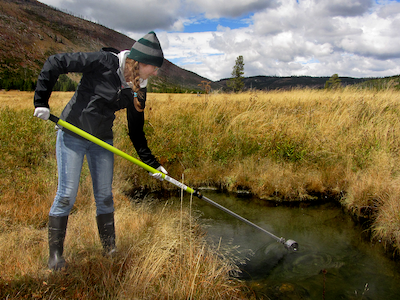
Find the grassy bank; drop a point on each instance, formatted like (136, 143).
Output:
(300, 145)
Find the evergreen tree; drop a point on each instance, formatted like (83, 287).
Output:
(236, 82)
(65, 84)
(334, 82)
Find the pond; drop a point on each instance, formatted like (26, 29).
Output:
(335, 260)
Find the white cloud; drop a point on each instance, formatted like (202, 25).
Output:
(391, 9)
(343, 8)
(235, 8)
(125, 15)
(306, 37)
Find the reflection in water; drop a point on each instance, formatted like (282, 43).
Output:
(334, 261)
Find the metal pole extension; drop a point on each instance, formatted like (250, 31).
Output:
(289, 244)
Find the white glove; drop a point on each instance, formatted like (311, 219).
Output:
(158, 175)
(42, 113)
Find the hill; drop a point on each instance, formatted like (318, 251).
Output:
(274, 82)
(30, 31)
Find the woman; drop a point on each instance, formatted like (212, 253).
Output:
(111, 81)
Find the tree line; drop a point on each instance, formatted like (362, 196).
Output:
(64, 84)
(21, 80)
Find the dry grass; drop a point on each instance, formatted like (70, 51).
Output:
(288, 146)
(157, 260)
(179, 263)
(24, 100)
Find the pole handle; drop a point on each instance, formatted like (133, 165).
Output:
(53, 118)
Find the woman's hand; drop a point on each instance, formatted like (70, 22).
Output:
(42, 113)
(159, 175)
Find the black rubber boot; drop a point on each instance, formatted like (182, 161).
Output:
(57, 229)
(105, 224)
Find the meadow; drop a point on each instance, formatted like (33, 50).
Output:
(285, 146)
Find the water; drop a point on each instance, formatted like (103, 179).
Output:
(334, 261)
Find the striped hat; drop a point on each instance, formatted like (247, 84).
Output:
(147, 50)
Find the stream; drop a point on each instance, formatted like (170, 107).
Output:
(335, 260)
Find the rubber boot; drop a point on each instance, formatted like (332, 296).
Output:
(105, 224)
(57, 229)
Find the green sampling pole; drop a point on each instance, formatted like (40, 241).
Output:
(103, 144)
(289, 244)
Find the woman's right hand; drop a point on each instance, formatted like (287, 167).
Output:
(42, 113)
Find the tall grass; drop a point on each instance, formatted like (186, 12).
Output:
(151, 262)
(300, 145)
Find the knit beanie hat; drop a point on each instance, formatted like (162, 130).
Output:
(147, 50)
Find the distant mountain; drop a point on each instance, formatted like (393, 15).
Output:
(274, 82)
(31, 31)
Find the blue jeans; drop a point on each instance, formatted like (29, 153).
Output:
(70, 152)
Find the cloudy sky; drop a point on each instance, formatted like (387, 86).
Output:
(356, 38)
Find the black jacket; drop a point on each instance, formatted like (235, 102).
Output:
(98, 96)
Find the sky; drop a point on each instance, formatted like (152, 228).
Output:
(354, 38)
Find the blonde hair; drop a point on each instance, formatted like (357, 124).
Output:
(131, 73)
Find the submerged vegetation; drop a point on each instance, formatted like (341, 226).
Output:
(299, 145)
